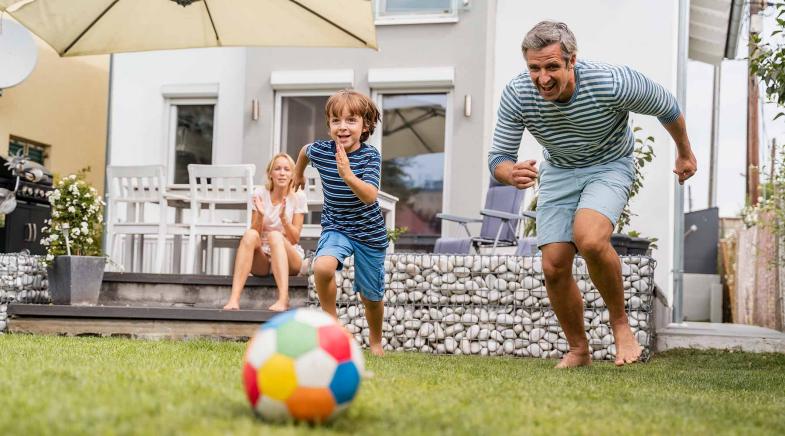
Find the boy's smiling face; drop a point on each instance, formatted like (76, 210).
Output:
(346, 129)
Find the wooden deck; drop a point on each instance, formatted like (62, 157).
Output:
(160, 306)
(135, 322)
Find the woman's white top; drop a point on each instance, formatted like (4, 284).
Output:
(296, 202)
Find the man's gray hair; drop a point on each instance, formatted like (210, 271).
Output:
(546, 33)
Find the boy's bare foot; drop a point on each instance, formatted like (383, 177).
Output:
(377, 350)
(232, 305)
(627, 348)
(280, 306)
(574, 359)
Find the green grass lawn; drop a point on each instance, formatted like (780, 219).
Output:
(58, 385)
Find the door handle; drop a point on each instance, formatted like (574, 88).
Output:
(35, 232)
(29, 230)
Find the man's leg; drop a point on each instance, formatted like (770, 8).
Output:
(592, 233)
(566, 300)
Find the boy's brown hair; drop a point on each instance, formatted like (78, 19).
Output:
(357, 104)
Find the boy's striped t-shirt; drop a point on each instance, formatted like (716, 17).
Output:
(590, 129)
(343, 211)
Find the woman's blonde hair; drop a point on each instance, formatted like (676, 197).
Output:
(269, 184)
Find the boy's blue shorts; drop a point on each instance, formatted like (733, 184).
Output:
(368, 262)
(604, 188)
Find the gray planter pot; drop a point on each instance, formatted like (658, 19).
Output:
(76, 280)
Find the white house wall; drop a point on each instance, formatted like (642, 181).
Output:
(641, 34)
(243, 75)
(138, 118)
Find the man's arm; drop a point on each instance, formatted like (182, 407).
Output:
(686, 165)
(506, 141)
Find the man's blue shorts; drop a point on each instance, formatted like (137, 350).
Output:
(604, 188)
(368, 262)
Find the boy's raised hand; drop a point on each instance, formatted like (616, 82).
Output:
(342, 160)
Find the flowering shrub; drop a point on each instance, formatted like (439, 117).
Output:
(77, 214)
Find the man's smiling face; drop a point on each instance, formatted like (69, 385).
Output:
(553, 77)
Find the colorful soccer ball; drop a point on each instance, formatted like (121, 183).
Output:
(302, 365)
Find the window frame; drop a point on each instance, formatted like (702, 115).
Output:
(381, 19)
(278, 112)
(171, 131)
(377, 95)
(26, 144)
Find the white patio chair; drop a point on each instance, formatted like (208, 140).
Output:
(217, 187)
(313, 193)
(136, 187)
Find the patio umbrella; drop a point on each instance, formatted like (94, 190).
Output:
(87, 27)
(413, 124)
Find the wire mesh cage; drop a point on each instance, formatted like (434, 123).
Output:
(490, 305)
(23, 280)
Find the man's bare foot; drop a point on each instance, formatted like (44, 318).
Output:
(280, 306)
(627, 348)
(232, 305)
(377, 350)
(574, 359)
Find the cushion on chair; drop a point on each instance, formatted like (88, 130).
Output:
(526, 246)
(453, 246)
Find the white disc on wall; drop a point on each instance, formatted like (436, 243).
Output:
(18, 53)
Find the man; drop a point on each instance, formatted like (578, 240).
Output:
(578, 111)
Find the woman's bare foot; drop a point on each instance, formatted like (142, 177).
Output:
(377, 350)
(627, 348)
(280, 306)
(232, 305)
(574, 359)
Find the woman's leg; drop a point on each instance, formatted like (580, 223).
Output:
(284, 261)
(249, 258)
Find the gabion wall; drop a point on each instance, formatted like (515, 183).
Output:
(489, 305)
(22, 279)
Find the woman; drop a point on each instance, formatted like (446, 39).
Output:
(271, 242)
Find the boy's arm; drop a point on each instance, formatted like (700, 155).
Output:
(363, 190)
(299, 169)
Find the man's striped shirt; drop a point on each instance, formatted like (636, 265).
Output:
(590, 129)
(342, 210)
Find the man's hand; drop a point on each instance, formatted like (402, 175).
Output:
(685, 167)
(524, 174)
(344, 170)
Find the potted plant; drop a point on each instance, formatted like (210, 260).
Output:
(630, 243)
(73, 241)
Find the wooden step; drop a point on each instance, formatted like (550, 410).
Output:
(135, 322)
(193, 290)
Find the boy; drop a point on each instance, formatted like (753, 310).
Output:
(352, 222)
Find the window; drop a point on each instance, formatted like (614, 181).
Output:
(301, 121)
(34, 151)
(416, 11)
(192, 135)
(413, 145)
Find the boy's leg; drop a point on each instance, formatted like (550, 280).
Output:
(374, 313)
(324, 268)
(332, 249)
(369, 282)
